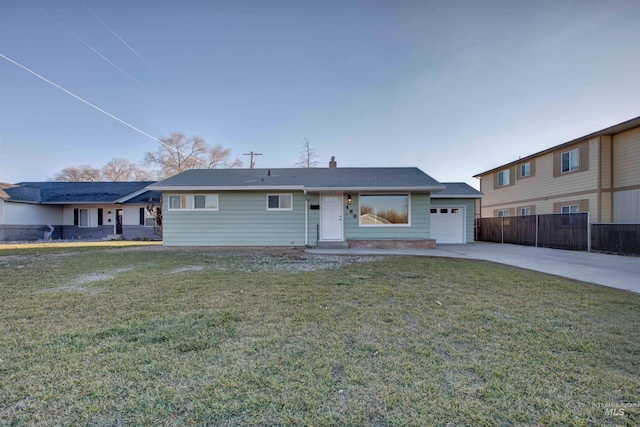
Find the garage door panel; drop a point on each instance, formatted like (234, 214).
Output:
(447, 224)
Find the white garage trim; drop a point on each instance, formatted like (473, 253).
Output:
(447, 226)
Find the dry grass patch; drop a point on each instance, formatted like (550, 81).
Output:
(247, 337)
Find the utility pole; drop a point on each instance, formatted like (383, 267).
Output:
(252, 154)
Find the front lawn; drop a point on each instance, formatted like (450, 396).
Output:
(209, 337)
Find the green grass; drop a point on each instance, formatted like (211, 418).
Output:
(261, 338)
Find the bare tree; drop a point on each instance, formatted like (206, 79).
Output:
(82, 173)
(179, 153)
(119, 169)
(307, 156)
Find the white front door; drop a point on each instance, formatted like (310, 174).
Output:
(331, 217)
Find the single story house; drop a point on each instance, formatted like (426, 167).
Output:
(338, 207)
(76, 210)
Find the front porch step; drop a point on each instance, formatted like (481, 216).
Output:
(332, 245)
(113, 237)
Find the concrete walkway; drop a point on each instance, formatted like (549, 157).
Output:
(608, 270)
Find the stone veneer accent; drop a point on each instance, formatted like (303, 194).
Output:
(393, 243)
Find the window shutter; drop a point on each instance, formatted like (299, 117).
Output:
(512, 211)
(141, 216)
(557, 207)
(557, 162)
(583, 205)
(532, 167)
(75, 216)
(99, 216)
(584, 156)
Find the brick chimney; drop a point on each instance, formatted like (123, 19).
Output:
(333, 163)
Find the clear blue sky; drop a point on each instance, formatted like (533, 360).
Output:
(452, 87)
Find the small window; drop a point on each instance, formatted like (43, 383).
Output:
(207, 201)
(569, 209)
(454, 210)
(571, 160)
(504, 212)
(279, 202)
(444, 210)
(525, 211)
(525, 170)
(503, 178)
(434, 210)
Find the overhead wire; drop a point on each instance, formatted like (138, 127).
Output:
(101, 110)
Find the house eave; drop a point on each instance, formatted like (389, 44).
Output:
(457, 196)
(412, 189)
(227, 188)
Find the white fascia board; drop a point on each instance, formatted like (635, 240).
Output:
(457, 196)
(132, 195)
(432, 189)
(182, 189)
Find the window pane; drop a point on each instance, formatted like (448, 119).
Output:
(175, 202)
(211, 201)
(285, 201)
(274, 202)
(565, 162)
(575, 159)
(434, 210)
(384, 209)
(453, 211)
(83, 219)
(525, 170)
(444, 210)
(199, 202)
(503, 178)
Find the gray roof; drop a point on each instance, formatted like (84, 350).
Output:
(458, 190)
(612, 130)
(318, 179)
(74, 192)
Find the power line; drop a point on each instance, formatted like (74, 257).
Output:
(101, 110)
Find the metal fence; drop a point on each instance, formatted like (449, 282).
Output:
(620, 239)
(560, 231)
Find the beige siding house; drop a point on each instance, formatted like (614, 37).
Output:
(598, 173)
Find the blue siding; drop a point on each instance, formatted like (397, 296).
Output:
(242, 220)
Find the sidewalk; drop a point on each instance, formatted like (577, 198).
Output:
(608, 270)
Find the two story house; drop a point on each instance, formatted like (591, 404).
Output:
(597, 173)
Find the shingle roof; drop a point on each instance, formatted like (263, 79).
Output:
(73, 192)
(301, 178)
(457, 190)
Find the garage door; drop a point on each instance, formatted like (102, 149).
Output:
(447, 224)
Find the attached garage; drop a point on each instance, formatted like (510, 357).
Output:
(447, 224)
(452, 213)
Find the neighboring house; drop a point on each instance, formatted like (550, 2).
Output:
(373, 207)
(598, 173)
(77, 210)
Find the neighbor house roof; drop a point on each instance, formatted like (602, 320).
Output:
(612, 130)
(458, 190)
(311, 179)
(76, 192)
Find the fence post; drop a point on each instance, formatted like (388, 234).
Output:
(588, 232)
(502, 232)
(537, 220)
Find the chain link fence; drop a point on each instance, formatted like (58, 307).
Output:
(561, 231)
(620, 239)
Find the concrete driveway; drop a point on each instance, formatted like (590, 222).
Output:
(608, 270)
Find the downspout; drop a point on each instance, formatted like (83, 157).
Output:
(306, 218)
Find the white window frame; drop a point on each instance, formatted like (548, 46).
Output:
(280, 195)
(528, 166)
(188, 202)
(571, 153)
(501, 174)
(525, 211)
(570, 209)
(407, 224)
(503, 212)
